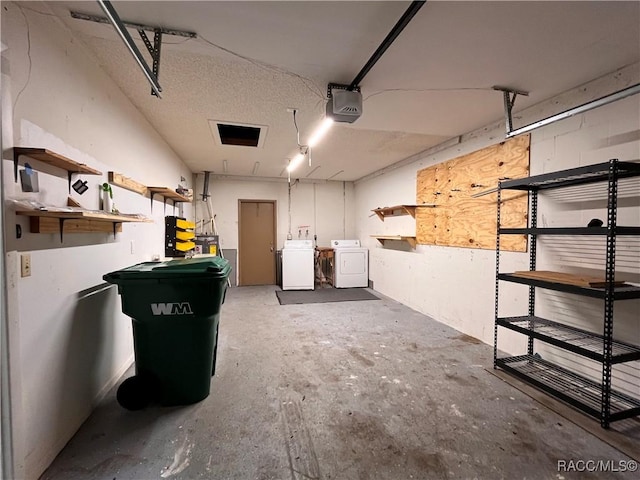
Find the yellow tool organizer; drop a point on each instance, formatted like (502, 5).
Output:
(179, 235)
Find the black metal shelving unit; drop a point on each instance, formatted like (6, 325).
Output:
(597, 399)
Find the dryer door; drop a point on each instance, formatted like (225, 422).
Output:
(351, 268)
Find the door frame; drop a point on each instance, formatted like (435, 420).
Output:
(7, 412)
(275, 232)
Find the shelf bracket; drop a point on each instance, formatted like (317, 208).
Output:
(509, 96)
(16, 161)
(115, 229)
(61, 220)
(151, 195)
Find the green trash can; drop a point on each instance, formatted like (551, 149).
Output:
(175, 310)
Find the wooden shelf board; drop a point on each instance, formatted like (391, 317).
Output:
(568, 278)
(52, 225)
(82, 215)
(128, 184)
(55, 159)
(79, 221)
(168, 193)
(410, 240)
(398, 210)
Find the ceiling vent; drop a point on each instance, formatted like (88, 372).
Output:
(238, 134)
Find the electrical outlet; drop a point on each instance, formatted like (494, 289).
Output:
(25, 265)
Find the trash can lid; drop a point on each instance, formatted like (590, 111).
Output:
(209, 267)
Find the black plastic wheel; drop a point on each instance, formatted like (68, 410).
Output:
(134, 393)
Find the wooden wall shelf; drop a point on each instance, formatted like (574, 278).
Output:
(81, 221)
(398, 210)
(51, 158)
(383, 238)
(167, 193)
(127, 183)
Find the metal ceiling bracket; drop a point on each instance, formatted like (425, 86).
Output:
(509, 95)
(510, 98)
(154, 51)
(135, 26)
(121, 28)
(619, 95)
(340, 86)
(114, 19)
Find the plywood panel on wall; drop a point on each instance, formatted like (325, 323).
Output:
(459, 220)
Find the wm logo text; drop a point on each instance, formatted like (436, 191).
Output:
(183, 308)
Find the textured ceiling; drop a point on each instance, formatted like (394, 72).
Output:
(253, 60)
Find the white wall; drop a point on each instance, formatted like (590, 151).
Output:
(69, 340)
(326, 207)
(456, 285)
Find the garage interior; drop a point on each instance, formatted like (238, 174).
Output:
(456, 127)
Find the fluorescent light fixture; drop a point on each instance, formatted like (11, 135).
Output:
(225, 167)
(320, 132)
(295, 161)
(317, 135)
(255, 168)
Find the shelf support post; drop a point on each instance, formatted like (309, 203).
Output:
(612, 206)
(533, 222)
(495, 324)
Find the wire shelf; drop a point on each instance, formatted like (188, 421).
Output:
(574, 176)
(623, 292)
(574, 339)
(579, 391)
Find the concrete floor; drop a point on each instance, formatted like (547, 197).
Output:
(352, 390)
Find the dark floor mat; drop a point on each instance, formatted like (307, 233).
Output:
(323, 295)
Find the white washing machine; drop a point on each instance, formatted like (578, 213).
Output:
(298, 265)
(350, 264)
